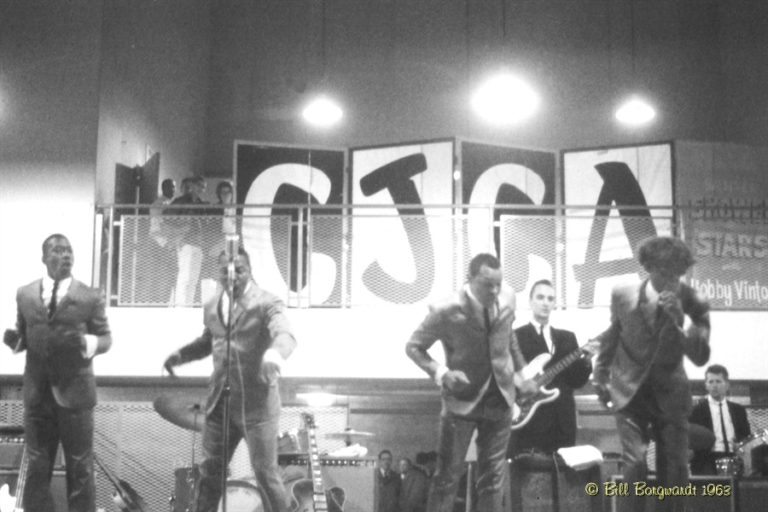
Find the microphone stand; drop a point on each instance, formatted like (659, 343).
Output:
(231, 249)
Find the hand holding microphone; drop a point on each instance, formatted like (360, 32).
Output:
(671, 305)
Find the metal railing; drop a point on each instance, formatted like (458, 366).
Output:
(358, 255)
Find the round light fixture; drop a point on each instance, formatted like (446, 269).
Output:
(505, 99)
(635, 112)
(322, 111)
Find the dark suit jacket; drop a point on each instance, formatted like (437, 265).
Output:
(703, 462)
(553, 425)
(388, 491)
(634, 350)
(258, 323)
(52, 364)
(413, 491)
(467, 346)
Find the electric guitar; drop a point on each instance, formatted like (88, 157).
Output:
(526, 406)
(10, 503)
(126, 499)
(308, 495)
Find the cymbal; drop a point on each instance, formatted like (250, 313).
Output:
(180, 411)
(348, 433)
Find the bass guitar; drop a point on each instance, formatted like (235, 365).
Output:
(308, 495)
(126, 499)
(527, 406)
(10, 503)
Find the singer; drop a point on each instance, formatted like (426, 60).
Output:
(640, 365)
(261, 340)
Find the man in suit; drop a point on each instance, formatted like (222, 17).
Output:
(414, 485)
(553, 425)
(61, 323)
(387, 484)
(639, 370)
(261, 340)
(729, 424)
(477, 381)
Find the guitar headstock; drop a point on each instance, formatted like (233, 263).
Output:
(309, 420)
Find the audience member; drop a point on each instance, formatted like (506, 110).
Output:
(387, 484)
(160, 266)
(188, 232)
(414, 485)
(729, 424)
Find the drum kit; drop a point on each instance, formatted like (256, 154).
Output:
(243, 495)
(742, 463)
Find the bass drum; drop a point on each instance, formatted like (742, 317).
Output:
(243, 496)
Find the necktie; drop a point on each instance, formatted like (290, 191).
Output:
(52, 304)
(722, 428)
(487, 318)
(544, 340)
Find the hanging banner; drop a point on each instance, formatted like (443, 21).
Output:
(402, 254)
(600, 241)
(506, 178)
(282, 259)
(722, 189)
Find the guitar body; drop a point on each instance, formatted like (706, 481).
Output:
(526, 406)
(301, 494)
(309, 495)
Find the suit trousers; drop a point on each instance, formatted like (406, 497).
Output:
(636, 422)
(45, 425)
(492, 418)
(260, 435)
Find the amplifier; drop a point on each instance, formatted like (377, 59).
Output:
(11, 449)
(58, 486)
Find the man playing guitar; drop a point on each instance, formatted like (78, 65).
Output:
(552, 425)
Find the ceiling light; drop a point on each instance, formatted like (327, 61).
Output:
(635, 112)
(505, 99)
(322, 111)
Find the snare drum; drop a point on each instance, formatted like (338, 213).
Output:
(744, 450)
(243, 496)
(728, 466)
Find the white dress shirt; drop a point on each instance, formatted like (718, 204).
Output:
(91, 340)
(714, 410)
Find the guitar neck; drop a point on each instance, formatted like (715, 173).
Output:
(21, 482)
(318, 492)
(553, 371)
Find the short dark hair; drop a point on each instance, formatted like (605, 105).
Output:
(222, 185)
(385, 452)
(545, 282)
(484, 258)
(52, 237)
(717, 369)
(665, 252)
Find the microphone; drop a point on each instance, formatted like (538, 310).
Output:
(231, 243)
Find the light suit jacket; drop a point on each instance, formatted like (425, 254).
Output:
(51, 364)
(469, 347)
(634, 350)
(258, 323)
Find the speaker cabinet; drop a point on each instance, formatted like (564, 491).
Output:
(753, 494)
(58, 486)
(552, 489)
(713, 494)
